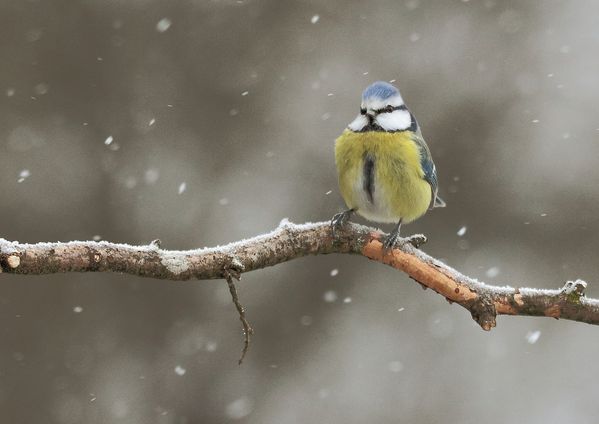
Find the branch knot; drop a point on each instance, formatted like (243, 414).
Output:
(573, 290)
(483, 312)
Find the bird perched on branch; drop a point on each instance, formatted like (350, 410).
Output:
(385, 169)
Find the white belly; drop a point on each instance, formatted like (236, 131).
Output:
(379, 209)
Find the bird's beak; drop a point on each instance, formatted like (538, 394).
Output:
(370, 117)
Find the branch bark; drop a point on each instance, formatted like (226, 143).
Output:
(290, 241)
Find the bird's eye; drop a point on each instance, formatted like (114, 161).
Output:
(387, 109)
(363, 111)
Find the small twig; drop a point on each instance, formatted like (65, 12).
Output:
(229, 274)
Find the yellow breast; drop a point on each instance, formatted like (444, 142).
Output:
(398, 187)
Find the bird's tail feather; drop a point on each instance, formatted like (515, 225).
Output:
(439, 203)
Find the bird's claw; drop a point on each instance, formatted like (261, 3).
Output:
(339, 220)
(391, 241)
(394, 240)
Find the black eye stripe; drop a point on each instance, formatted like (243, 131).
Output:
(386, 109)
(373, 126)
(391, 109)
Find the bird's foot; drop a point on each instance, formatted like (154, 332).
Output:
(391, 241)
(339, 220)
(394, 240)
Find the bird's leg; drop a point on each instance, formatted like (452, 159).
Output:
(340, 219)
(393, 237)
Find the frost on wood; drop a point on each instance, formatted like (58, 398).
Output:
(289, 241)
(176, 264)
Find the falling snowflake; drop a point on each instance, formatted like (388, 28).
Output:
(533, 336)
(239, 408)
(151, 176)
(330, 296)
(41, 89)
(163, 25)
(23, 175)
(492, 272)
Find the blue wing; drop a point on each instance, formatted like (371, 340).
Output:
(430, 171)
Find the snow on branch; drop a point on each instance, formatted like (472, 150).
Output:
(290, 241)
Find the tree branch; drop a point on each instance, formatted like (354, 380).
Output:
(290, 241)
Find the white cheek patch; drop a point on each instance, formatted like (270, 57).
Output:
(398, 120)
(357, 124)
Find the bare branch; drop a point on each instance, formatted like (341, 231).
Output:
(290, 241)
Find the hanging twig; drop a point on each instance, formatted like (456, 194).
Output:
(229, 274)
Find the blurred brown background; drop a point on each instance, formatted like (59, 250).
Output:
(202, 122)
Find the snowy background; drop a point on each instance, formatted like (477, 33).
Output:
(202, 122)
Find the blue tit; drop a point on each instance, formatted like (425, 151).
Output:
(385, 169)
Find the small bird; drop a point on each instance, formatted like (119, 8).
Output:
(385, 169)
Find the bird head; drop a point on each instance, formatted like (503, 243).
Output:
(382, 109)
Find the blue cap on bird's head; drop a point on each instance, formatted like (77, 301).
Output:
(381, 90)
(381, 93)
